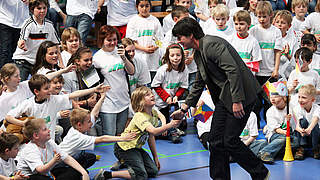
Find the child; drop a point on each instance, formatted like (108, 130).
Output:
(282, 20)
(168, 21)
(303, 75)
(170, 82)
(309, 41)
(47, 58)
(269, 38)
(17, 92)
(35, 30)
(312, 25)
(70, 41)
(143, 123)
(146, 30)
(300, 9)
(220, 16)
(41, 154)
(277, 118)
(246, 45)
(203, 12)
(251, 6)
(76, 141)
(8, 151)
(307, 128)
(45, 105)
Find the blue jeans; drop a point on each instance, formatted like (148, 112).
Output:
(113, 123)
(256, 146)
(277, 142)
(53, 16)
(82, 23)
(24, 67)
(140, 165)
(314, 136)
(8, 43)
(277, 5)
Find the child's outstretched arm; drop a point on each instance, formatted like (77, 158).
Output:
(106, 138)
(61, 71)
(75, 165)
(96, 109)
(156, 131)
(84, 92)
(45, 168)
(152, 146)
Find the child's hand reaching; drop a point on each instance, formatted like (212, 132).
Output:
(22, 45)
(175, 100)
(64, 113)
(57, 156)
(295, 83)
(70, 68)
(129, 136)
(175, 123)
(102, 88)
(19, 176)
(169, 100)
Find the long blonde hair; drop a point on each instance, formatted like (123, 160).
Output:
(137, 98)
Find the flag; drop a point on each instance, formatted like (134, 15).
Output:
(299, 64)
(276, 88)
(203, 113)
(253, 65)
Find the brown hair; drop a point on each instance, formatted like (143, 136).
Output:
(242, 15)
(7, 141)
(67, 34)
(127, 42)
(41, 60)
(284, 14)
(78, 54)
(37, 81)
(106, 31)
(137, 98)
(177, 11)
(78, 115)
(32, 126)
(299, 2)
(317, 8)
(7, 71)
(166, 60)
(264, 7)
(35, 3)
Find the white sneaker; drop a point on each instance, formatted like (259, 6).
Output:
(99, 175)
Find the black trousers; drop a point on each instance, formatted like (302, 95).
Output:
(225, 141)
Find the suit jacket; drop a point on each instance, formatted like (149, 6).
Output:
(221, 68)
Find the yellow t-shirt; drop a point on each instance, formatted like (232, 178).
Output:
(138, 124)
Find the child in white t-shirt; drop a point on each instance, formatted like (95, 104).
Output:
(170, 82)
(269, 38)
(300, 9)
(41, 154)
(70, 41)
(8, 151)
(45, 105)
(146, 31)
(309, 41)
(246, 45)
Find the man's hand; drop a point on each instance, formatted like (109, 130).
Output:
(178, 114)
(238, 111)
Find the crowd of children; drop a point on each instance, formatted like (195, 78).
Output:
(71, 98)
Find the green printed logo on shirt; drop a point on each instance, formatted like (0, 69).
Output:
(173, 85)
(133, 81)
(264, 45)
(245, 55)
(284, 125)
(116, 67)
(147, 32)
(47, 119)
(245, 132)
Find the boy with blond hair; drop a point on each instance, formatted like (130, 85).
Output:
(300, 9)
(307, 127)
(246, 45)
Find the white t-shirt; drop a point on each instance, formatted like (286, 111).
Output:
(10, 100)
(223, 33)
(296, 28)
(7, 168)
(65, 55)
(146, 31)
(251, 128)
(168, 23)
(248, 48)
(315, 63)
(33, 156)
(254, 19)
(314, 112)
(119, 12)
(13, 13)
(75, 141)
(34, 34)
(112, 68)
(141, 75)
(291, 40)
(269, 40)
(312, 22)
(47, 110)
(77, 7)
(170, 82)
(304, 78)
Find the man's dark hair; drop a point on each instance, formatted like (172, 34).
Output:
(186, 27)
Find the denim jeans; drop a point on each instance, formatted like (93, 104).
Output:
(53, 16)
(225, 141)
(278, 5)
(113, 123)
(82, 23)
(256, 146)
(140, 165)
(24, 67)
(277, 142)
(8, 43)
(314, 136)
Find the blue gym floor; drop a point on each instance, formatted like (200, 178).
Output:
(189, 160)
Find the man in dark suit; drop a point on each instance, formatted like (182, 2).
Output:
(234, 91)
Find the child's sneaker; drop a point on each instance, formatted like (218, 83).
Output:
(117, 166)
(299, 155)
(180, 132)
(266, 158)
(175, 138)
(102, 175)
(316, 153)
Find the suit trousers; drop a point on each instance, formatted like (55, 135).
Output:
(225, 141)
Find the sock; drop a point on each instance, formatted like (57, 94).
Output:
(107, 174)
